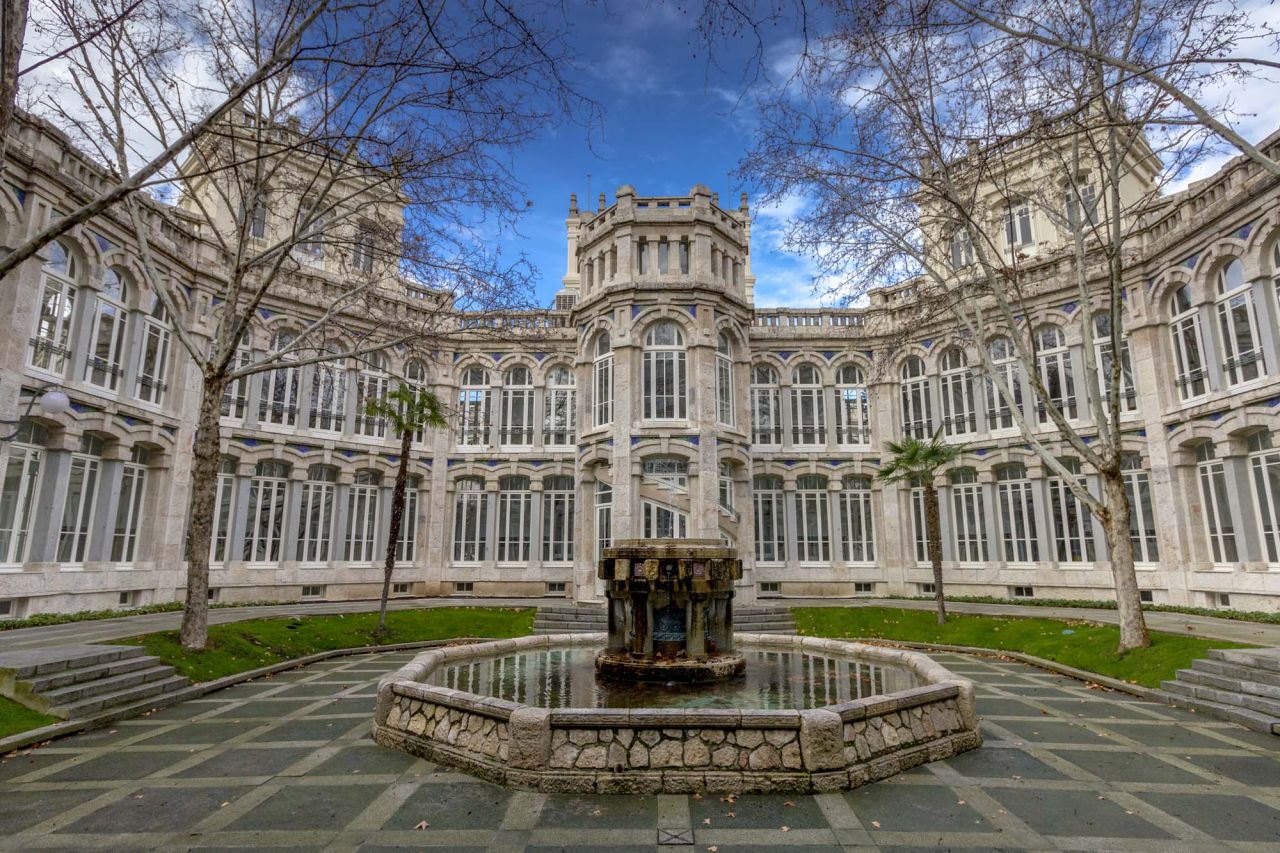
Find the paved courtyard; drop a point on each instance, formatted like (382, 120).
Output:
(286, 762)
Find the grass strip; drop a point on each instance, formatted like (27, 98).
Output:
(1084, 645)
(242, 646)
(15, 718)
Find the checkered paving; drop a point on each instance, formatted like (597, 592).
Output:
(286, 762)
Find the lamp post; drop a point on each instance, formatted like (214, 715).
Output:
(53, 401)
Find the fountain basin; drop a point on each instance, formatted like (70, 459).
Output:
(829, 747)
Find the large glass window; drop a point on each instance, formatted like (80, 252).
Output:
(329, 391)
(961, 249)
(21, 484)
(1017, 514)
(660, 520)
(808, 415)
(853, 407)
(919, 526)
(515, 506)
(1005, 364)
(813, 524)
(602, 380)
(559, 417)
(766, 416)
(1072, 521)
(604, 517)
(724, 380)
(315, 520)
(1053, 360)
(372, 383)
(470, 519)
(50, 345)
(1142, 517)
(1105, 359)
(278, 402)
(81, 501)
(105, 364)
(1188, 345)
(267, 500)
(235, 397)
(1217, 509)
(1238, 322)
(473, 407)
(969, 516)
(855, 515)
(1264, 460)
(917, 411)
(958, 415)
(362, 517)
(407, 542)
(153, 358)
(419, 381)
(223, 507)
(557, 519)
(1017, 226)
(133, 487)
(771, 521)
(665, 380)
(517, 408)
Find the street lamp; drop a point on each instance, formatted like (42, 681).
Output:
(53, 401)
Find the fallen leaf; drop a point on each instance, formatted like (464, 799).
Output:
(786, 829)
(712, 849)
(697, 796)
(422, 825)
(876, 824)
(707, 821)
(789, 804)
(730, 814)
(959, 802)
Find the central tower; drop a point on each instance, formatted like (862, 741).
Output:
(661, 295)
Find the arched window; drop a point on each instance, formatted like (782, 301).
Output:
(1102, 343)
(470, 521)
(1005, 363)
(104, 366)
(665, 380)
(724, 378)
(1188, 344)
(1072, 521)
(20, 486)
(362, 517)
(128, 521)
(1053, 360)
(961, 249)
(407, 542)
(559, 417)
(958, 416)
(557, 519)
(808, 415)
(766, 414)
(81, 501)
(267, 503)
(1238, 322)
(473, 407)
(813, 521)
(315, 518)
(969, 516)
(153, 357)
(372, 383)
(1219, 524)
(853, 407)
(1017, 514)
(1264, 461)
(771, 523)
(855, 517)
(279, 400)
(917, 409)
(1142, 518)
(51, 341)
(515, 503)
(602, 380)
(329, 391)
(517, 408)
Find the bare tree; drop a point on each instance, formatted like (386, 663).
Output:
(348, 175)
(929, 142)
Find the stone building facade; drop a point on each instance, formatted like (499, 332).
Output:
(654, 399)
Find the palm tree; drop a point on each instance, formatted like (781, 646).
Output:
(407, 411)
(920, 461)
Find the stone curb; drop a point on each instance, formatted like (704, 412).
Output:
(195, 691)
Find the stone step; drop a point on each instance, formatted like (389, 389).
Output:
(1232, 670)
(1268, 659)
(1241, 716)
(73, 693)
(45, 683)
(1229, 683)
(27, 664)
(128, 695)
(1269, 707)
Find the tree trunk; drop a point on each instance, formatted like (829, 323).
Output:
(1133, 627)
(933, 535)
(204, 490)
(393, 535)
(13, 21)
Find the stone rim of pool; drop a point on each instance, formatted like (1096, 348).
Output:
(679, 750)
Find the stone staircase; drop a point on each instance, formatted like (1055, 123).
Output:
(82, 681)
(588, 618)
(1240, 685)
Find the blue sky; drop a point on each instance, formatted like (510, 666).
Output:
(670, 122)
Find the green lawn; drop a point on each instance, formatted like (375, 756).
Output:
(1084, 645)
(242, 646)
(16, 718)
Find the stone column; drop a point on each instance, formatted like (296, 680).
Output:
(50, 500)
(341, 501)
(107, 503)
(291, 528)
(240, 520)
